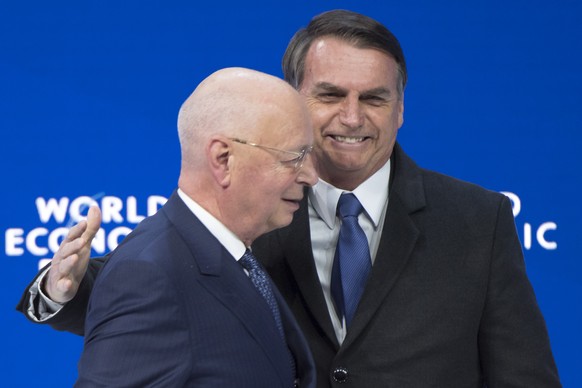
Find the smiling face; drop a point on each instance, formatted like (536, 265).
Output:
(355, 108)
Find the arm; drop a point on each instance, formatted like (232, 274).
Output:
(69, 279)
(513, 340)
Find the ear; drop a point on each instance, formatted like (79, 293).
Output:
(219, 155)
(401, 111)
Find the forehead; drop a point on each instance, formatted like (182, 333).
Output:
(286, 123)
(331, 60)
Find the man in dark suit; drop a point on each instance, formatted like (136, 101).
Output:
(172, 306)
(447, 302)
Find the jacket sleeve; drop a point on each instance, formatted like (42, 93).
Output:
(513, 339)
(71, 317)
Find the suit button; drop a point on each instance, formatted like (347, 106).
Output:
(340, 374)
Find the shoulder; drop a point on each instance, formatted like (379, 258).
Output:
(419, 187)
(444, 201)
(154, 249)
(459, 192)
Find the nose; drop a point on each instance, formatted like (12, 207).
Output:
(351, 114)
(307, 175)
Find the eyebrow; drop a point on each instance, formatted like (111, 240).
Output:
(328, 87)
(380, 91)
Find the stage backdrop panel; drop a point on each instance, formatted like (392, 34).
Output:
(89, 95)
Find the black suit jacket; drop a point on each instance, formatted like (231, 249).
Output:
(448, 303)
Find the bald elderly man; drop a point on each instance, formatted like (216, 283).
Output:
(174, 306)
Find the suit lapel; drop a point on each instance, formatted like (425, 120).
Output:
(304, 364)
(399, 236)
(296, 245)
(234, 290)
(223, 277)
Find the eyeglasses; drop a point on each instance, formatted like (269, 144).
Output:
(296, 162)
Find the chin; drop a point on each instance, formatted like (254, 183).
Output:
(347, 164)
(283, 221)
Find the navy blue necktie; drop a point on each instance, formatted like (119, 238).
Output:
(261, 282)
(259, 279)
(352, 263)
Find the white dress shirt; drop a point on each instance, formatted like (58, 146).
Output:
(229, 240)
(325, 226)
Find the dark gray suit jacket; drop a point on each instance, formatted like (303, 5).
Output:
(448, 302)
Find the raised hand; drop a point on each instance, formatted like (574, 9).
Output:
(70, 262)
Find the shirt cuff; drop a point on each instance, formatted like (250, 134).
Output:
(46, 307)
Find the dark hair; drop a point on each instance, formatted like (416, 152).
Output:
(359, 30)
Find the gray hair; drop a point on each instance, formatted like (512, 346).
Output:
(359, 30)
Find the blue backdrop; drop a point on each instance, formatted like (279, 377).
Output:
(90, 90)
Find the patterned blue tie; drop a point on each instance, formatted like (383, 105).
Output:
(352, 263)
(259, 278)
(261, 282)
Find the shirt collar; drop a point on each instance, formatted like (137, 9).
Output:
(372, 194)
(228, 239)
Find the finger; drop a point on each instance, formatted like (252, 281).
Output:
(75, 232)
(62, 282)
(71, 259)
(93, 223)
(86, 229)
(68, 249)
(64, 285)
(66, 265)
